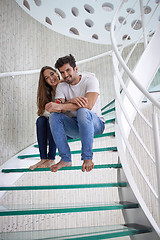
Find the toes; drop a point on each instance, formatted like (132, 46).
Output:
(83, 167)
(87, 166)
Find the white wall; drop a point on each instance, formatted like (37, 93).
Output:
(28, 45)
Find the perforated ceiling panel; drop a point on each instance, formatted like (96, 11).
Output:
(90, 20)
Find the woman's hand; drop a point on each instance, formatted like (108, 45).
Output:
(53, 107)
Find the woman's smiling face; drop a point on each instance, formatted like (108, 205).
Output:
(50, 77)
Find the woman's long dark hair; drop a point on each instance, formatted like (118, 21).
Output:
(44, 92)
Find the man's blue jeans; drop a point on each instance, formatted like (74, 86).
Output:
(44, 136)
(84, 126)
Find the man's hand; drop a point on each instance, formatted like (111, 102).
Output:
(79, 101)
(53, 107)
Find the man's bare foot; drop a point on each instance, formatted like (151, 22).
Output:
(37, 165)
(48, 163)
(87, 165)
(60, 165)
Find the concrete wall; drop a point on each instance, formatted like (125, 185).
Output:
(27, 45)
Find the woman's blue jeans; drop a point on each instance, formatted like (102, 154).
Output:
(44, 137)
(84, 126)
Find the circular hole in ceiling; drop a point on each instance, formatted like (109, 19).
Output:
(73, 31)
(38, 2)
(136, 24)
(75, 11)
(95, 36)
(89, 8)
(122, 20)
(147, 9)
(60, 13)
(26, 4)
(108, 27)
(108, 7)
(130, 10)
(48, 20)
(89, 23)
(126, 37)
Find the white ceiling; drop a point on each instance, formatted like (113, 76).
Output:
(89, 20)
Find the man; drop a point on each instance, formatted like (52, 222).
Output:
(78, 115)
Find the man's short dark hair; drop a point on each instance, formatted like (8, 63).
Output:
(66, 59)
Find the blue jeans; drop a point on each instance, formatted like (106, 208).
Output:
(84, 126)
(44, 136)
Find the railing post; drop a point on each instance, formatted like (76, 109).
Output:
(157, 150)
(143, 23)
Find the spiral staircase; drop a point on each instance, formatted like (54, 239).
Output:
(119, 197)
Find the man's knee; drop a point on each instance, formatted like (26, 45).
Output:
(83, 114)
(53, 117)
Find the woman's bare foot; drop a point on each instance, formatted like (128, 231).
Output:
(60, 165)
(48, 163)
(37, 165)
(87, 165)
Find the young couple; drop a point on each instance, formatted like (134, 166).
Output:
(67, 108)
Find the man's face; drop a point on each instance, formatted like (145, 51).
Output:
(68, 73)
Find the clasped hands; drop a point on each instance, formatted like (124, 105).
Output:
(78, 102)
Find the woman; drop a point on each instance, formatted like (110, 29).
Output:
(48, 81)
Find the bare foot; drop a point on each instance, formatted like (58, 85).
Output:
(60, 165)
(48, 163)
(37, 165)
(87, 165)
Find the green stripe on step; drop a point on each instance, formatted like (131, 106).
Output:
(112, 102)
(75, 186)
(72, 152)
(18, 209)
(78, 233)
(108, 111)
(110, 121)
(64, 168)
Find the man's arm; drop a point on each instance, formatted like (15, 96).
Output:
(73, 104)
(87, 102)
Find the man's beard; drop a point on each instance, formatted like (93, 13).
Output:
(70, 81)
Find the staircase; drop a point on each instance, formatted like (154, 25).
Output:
(120, 196)
(85, 206)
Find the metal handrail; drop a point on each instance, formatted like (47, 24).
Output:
(122, 138)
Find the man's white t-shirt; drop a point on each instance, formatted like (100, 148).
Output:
(88, 83)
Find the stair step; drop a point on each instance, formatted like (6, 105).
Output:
(108, 111)
(30, 209)
(108, 105)
(9, 170)
(96, 136)
(83, 233)
(112, 120)
(75, 186)
(72, 152)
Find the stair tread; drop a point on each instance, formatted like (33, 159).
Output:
(111, 120)
(96, 136)
(108, 111)
(29, 209)
(72, 152)
(101, 166)
(83, 233)
(72, 186)
(109, 105)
